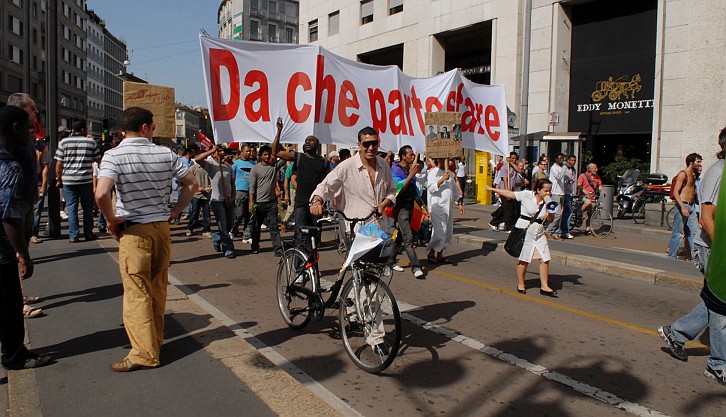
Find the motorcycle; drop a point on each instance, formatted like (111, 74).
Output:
(628, 191)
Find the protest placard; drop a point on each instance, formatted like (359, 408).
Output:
(443, 139)
(158, 100)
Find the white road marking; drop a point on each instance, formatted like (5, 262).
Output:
(578, 386)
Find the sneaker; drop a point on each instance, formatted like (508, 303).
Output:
(380, 349)
(231, 235)
(207, 235)
(397, 267)
(263, 227)
(675, 348)
(247, 241)
(91, 237)
(230, 254)
(717, 375)
(188, 233)
(102, 229)
(418, 272)
(32, 360)
(493, 227)
(64, 215)
(568, 237)
(502, 227)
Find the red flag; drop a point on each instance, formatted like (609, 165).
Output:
(203, 140)
(39, 131)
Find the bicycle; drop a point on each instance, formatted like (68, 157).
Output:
(671, 217)
(369, 319)
(639, 205)
(601, 222)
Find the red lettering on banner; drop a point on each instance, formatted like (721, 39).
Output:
(219, 58)
(468, 119)
(344, 103)
(478, 109)
(378, 109)
(419, 110)
(433, 105)
(395, 119)
(459, 97)
(327, 84)
(451, 101)
(491, 120)
(407, 116)
(260, 95)
(299, 79)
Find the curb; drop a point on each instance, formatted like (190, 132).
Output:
(653, 276)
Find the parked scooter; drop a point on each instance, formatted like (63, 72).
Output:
(629, 190)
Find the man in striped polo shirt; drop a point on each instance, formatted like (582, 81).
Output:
(142, 173)
(74, 172)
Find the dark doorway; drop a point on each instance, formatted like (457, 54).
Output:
(392, 55)
(469, 48)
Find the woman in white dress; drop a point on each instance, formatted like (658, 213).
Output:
(535, 242)
(443, 193)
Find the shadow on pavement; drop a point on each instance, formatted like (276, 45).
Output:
(37, 260)
(105, 292)
(443, 312)
(196, 288)
(454, 258)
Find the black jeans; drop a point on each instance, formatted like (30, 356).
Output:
(302, 218)
(508, 213)
(224, 215)
(12, 323)
(267, 211)
(200, 205)
(242, 214)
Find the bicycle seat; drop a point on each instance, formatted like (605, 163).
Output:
(309, 230)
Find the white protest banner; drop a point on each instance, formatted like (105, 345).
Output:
(250, 84)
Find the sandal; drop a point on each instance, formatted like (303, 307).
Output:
(28, 299)
(32, 312)
(36, 239)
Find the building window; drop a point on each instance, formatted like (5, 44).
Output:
(272, 33)
(254, 30)
(313, 31)
(15, 54)
(15, 25)
(289, 35)
(272, 6)
(290, 13)
(14, 83)
(334, 23)
(18, 3)
(395, 6)
(366, 11)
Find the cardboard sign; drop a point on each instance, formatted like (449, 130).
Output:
(443, 137)
(158, 100)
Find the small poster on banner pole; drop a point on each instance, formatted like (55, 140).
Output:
(157, 99)
(443, 135)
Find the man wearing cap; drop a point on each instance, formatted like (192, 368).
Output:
(334, 159)
(311, 169)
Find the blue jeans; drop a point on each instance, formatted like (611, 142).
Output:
(302, 218)
(199, 205)
(717, 330)
(242, 214)
(683, 226)
(689, 326)
(566, 215)
(225, 216)
(39, 205)
(73, 193)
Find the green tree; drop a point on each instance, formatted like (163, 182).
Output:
(616, 168)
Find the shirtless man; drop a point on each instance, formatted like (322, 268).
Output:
(686, 221)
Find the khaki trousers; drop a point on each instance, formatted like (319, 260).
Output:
(144, 255)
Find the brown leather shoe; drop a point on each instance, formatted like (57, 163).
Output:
(125, 365)
(553, 237)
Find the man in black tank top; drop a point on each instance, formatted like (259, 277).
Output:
(311, 168)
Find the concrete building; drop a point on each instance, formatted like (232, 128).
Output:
(114, 56)
(72, 58)
(259, 20)
(95, 74)
(598, 78)
(188, 122)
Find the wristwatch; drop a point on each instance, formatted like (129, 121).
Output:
(315, 200)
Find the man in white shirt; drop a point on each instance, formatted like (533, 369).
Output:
(557, 173)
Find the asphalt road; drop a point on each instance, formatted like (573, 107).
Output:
(472, 345)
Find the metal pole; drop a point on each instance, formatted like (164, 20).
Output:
(525, 80)
(51, 108)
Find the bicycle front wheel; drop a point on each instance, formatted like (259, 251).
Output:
(639, 211)
(294, 289)
(371, 327)
(601, 223)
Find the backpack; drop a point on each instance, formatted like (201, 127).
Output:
(673, 185)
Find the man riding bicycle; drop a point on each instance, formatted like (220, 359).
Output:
(365, 185)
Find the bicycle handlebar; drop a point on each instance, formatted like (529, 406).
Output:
(333, 211)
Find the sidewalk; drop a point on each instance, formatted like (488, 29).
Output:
(631, 251)
(206, 369)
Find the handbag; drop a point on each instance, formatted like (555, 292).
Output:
(515, 240)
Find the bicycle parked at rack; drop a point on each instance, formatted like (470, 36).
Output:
(369, 319)
(601, 222)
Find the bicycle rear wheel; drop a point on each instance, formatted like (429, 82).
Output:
(639, 211)
(601, 223)
(372, 336)
(295, 297)
(671, 217)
